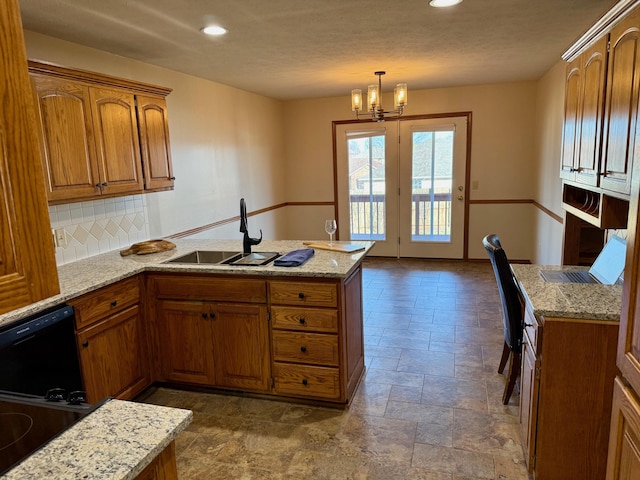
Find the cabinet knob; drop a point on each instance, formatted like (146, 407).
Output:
(114, 303)
(302, 320)
(212, 315)
(303, 349)
(301, 295)
(104, 184)
(204, 315)
(85, 343)
(172, 178)
(304, 381)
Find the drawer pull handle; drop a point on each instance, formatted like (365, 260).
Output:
(529, 325)
(304, 381)
(302, 320)
(114, 303)
(85, 343)
(303, 349)
(301, 296)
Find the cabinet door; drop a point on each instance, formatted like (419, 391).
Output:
(571, 130)
(66, 135)
(153, 124)
(27, 262)
(241, 346)
(529, 383)
(622, 104)
(117, 145)
(594, 72)
(113, 356)
(624, 439)
(186, 341)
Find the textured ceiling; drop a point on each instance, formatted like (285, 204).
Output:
(290, 49)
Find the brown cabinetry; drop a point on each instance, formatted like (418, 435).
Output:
(205, 339)
(305, 359)
(624, 442)
(316, 335)
(568, 367)
(153, 124)
(111, 341)
(297, 338)
(98, 132)
(584, 104)
(27, 262)
(623, 84)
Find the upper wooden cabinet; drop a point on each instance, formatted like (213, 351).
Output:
(154, 142)
(27, 262)
(584, 104)
(621, 105)
(100, 135)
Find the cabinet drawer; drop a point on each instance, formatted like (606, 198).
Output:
(304, 293)
(532, 332)
(312, 319)
(306, 381)
(315, 348)
(206, 287)
(105, 301)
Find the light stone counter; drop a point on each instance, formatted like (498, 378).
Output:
(568, 300)
(86, 275)
(115, 442)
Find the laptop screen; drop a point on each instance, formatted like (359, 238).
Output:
(610, 263)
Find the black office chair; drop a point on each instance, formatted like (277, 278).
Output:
(512, 308)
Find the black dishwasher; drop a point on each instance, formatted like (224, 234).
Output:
(38, 354)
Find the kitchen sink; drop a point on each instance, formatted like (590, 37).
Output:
(205, 257)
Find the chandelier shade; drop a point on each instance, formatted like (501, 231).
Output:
(374, 101)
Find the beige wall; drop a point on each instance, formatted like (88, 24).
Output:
(226, 143)
(502, 157)
(548, 187)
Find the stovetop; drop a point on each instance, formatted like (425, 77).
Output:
(28, 422)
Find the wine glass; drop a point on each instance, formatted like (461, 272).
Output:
(330, 226)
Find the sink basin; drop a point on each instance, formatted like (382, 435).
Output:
(205, 256)
(254, 259)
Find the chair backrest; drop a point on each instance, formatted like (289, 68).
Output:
(509, 292)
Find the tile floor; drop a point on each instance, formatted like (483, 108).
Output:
(428, 408)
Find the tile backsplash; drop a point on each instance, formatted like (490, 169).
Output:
(99, 226)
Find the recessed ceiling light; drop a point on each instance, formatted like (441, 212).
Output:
(444, 3)
(214, 30)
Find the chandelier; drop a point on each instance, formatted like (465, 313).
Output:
(374, 101)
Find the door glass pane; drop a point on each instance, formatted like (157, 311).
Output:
(367, 187)
(431, 186)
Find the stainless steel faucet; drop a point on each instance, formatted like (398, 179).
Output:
(247, 241)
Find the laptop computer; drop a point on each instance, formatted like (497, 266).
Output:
(605, 270)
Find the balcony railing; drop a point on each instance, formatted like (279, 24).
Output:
(430, 216)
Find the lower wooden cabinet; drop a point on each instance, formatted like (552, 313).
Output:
(112, 356)
(218, 345)
(112, 342)
(163, 467)
(186, 342)
(568, 368)
(297, 337)
(207, 342)
(624, 439)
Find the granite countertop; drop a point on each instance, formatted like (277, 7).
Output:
(116, 441)
(86, 275)
(568, 300)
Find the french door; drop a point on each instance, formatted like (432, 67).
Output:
(402, 184)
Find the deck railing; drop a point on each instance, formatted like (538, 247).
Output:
(430, 215)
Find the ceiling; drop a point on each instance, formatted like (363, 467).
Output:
(291, 49)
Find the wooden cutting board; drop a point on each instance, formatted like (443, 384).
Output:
(150, 246)
(344, 247)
